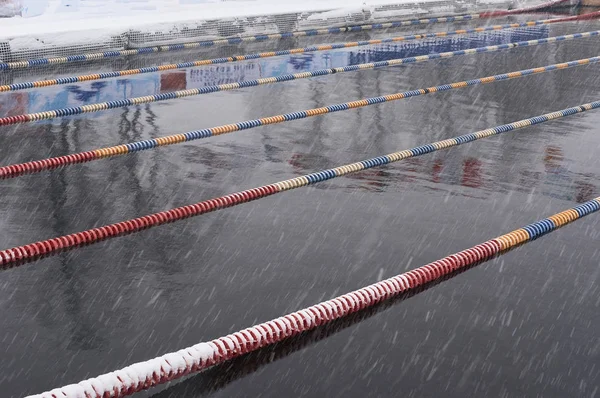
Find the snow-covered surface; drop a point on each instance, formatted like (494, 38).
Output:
(9, 8)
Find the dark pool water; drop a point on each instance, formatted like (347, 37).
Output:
(524, 324)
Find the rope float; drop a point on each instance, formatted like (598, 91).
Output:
(36, 166)
(102, 106)
(221, 375)
(22, 254)
(172, 366)
(263, 37)
(238, 58)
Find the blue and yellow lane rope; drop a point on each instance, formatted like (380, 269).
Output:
(14, 170)
(18, 255)
(98, 107)
(238, 58)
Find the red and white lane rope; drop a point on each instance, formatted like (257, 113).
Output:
(143, 375)
(220, 376)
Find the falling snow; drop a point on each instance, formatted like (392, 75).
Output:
(523, 324)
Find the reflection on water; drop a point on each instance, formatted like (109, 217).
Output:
(557, 181)
(522, 325)
(115, 89)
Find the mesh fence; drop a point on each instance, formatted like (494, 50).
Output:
(280, 23)
(170, 33)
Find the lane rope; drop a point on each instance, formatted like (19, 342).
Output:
(262, 37)
(143, 375)
(19, 255)
(238, 58)
(221, 375)
(36, 166)
(102, 106)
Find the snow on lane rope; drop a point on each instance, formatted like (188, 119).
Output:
(144, 375)
(238, 58)
(221, 375)
(22, 254)
(263, 37)
(102, 106)
(36, 166)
